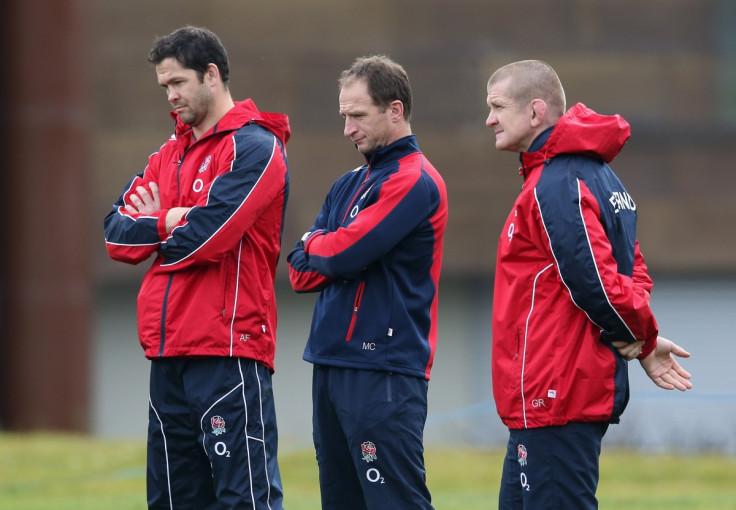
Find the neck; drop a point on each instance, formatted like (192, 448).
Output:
(219, 108)
(400, 132)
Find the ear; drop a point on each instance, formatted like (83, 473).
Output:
(539, 109)
(396, 110)
(211, 74)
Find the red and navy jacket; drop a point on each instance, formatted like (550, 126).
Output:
(209, 291)
(569, 280)
(374, 253)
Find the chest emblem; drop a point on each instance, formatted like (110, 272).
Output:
(205, 164)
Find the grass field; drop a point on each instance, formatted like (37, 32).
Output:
(63, 472)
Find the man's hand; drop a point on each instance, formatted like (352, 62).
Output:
(143, 202)
(628, 350)
(174, 216)
(662, 368)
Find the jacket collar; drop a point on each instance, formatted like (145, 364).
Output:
(392, 152)
(242, 113)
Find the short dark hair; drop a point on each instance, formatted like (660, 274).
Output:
(386, 81)
(194, 48)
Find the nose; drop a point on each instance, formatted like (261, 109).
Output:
(171, 94)
(491, 120)
(350, 129)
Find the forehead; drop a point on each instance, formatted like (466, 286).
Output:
(498, 93)
(170, 68)
(354, 97)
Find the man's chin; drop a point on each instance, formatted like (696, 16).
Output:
(501, 145)
(363, 150)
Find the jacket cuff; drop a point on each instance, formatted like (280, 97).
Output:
(647, 349)
(161, 224)
(308, 238)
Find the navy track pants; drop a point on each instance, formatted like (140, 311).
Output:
(368, 432)
(212, 437)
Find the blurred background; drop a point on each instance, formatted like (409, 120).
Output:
(81, 111)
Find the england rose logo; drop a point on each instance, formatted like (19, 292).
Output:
(218, 425)
(368, 450)
(205, 164)
(521, 450)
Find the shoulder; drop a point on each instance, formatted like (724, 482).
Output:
(564, 170)
(254, 134)
(413, 180)
(414, 171)
(252, 142)
(431, 173)
(167, 152)
(169, 145)
(350, 179)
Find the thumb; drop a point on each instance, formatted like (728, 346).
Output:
(674, 348)
(679, 351)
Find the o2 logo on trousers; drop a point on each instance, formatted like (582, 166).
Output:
(373, 475)
(524, 482)
(221, 449)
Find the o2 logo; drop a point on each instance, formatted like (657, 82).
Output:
(374, 476)
(221, 449)
(524, 482)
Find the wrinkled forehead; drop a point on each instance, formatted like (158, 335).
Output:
(500, 92)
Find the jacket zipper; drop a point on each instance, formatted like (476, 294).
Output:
(162, 343)
(178, 171)
(356, 307)
(355, 198)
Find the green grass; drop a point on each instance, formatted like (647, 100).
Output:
(64, 472)
(60, 472)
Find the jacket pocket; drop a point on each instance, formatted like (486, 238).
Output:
(356, 308)
(227, 277)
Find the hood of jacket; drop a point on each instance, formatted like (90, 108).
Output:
(582, 131)
(242, 113)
